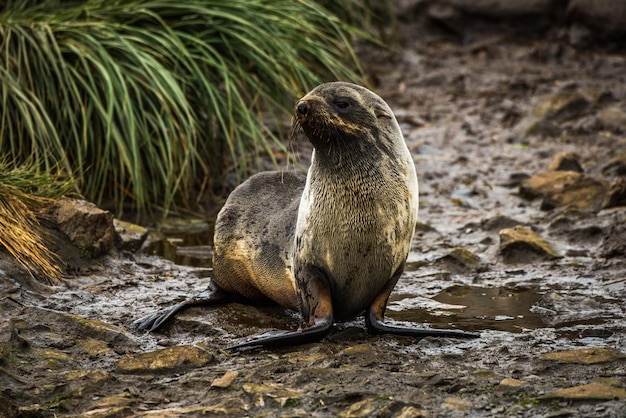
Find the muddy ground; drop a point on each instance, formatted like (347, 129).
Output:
(540, 273)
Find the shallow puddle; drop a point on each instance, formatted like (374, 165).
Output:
(465, 307)
(471, 308)
(185, 242)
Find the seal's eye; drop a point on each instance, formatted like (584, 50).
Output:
(342, 104)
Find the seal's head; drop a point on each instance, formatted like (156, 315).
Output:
(335, 115)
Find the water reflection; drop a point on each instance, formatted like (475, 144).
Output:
(472, 309)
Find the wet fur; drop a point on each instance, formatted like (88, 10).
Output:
(359, 206)
(352, 220)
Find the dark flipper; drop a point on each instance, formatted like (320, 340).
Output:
(375, 315)
(316, 308)
(282, 338)
(212, 296)
(377, 326)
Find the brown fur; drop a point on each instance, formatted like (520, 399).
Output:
(354, 221)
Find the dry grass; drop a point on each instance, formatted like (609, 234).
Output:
(23, 193)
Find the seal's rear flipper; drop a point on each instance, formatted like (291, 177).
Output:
(287, 338)
(377, 326)
(212, 296)
(375, 315)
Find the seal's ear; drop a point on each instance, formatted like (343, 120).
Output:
(380, 112)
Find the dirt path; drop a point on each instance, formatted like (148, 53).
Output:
(482, 111)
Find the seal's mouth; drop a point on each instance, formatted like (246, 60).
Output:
(301, 109)
(311, 118)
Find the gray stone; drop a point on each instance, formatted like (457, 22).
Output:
(521, 244)
(586, 194)
(616, 195)
(544, 183)
(616, 166)
(566, 161)
(89, 228)
(131, 236)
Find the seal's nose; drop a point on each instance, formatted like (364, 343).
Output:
(302, 108)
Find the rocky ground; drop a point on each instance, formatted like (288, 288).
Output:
(519, 135)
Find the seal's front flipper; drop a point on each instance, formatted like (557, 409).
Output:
(286, 338)
(375, 315)
(316, 307)
(212, 296)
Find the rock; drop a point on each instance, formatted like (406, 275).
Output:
(577, 230)
(613, 118)
(310, 357)
(562, 105)
(460, 259)
(591, 391)
(616, 195)
(546, 115)
(52, 357)
(606, 16)
(131, 236)
(556, 309)
(114, 405)
(499, 222)
(585, 355)
(566, 161)
(108, 412)
(225, 380)
(184, 226)
(616, 166)
(521, 244)
(87, 378)
(89, 228)
(73, 329)
(364, 408)
(483, 373)
(510, 385)
(515, 179)
(614, 245)
(412, 412)
(585, 193)
(456, 404)
(165, 360)
(359, 349)
(84, 327)
(275, 391)
(531, 125)
(544, 183)
(93, 347)
(229, 407)
(32, 411)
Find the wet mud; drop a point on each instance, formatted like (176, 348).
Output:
(537, 266)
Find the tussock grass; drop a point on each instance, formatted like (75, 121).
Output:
(23, 192)
(144, 100)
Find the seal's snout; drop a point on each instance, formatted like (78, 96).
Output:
(302, 108)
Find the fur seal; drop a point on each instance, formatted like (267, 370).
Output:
(330, 245)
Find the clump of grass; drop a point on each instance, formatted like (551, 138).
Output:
(23, 193)
(145, 100)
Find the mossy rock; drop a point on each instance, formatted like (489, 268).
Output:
(521, 245)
